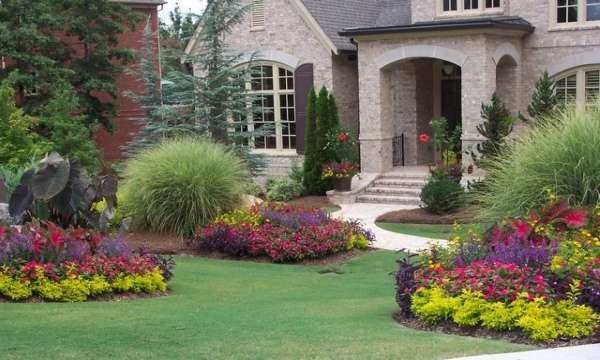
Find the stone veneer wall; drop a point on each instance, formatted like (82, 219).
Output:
(345, 89)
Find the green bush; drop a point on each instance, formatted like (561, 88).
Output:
(442, 195)
(283, 188)
(560, 154)
(182, 183)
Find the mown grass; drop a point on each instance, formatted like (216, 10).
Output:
(239, 310)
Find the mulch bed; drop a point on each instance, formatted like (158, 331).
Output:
(312, 202)
(101, 298)
(517, 337)
(420, 216)
(166, 244)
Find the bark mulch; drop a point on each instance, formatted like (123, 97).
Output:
(420, 216)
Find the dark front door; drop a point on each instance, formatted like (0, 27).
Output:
(451, 102)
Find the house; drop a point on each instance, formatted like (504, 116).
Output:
(128, 111)
(393, 65)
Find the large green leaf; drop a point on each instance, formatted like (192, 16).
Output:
(3, 192)
(22, 197)
(51, 177)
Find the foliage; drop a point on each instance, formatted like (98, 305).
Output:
(283, 233)
(283, 188)
(254, 189)
(213, 178)
(497, 126)
(11, 175)
(442, 196)
(181, 27)
(540, 320)
(66, 132)
(60, 190)
(18, 142)
(322, 122)
(342, 170)
(90, 72)
(544, 100)
(550, 157)
(342, 144)
(448, 144)
(72, 265)
(405, 282)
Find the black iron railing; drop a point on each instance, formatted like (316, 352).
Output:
(398, 149)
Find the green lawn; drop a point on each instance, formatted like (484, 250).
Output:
(428, 230)
(238, 310)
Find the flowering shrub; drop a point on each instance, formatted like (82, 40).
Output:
(540, 274)
(284, 233)
(341, 170)
(72, 265)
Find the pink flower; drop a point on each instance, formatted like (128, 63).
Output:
(574, 218)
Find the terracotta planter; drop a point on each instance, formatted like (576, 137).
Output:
(343, 185)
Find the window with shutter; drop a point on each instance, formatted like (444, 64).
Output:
(257, 15)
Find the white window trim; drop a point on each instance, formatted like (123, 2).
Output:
(276, 92)
(581, 23)
(580, 97)
(460, 11)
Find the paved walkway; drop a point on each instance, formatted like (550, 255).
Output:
(585, 352)
(367, 213)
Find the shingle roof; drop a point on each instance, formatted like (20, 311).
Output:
(498, 22)
(335, 15)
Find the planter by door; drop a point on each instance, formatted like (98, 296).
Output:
(343, 185)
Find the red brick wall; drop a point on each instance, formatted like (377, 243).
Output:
(125, 126)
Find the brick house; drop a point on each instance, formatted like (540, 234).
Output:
(393, 65)
(128, 110)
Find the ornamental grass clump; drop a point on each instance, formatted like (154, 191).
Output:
(562, 153)
(182, 183)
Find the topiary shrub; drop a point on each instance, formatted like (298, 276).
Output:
(560, 156)
(442, 196)
(181, 184)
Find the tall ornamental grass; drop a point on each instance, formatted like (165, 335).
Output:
(561, 154)
(182, 183)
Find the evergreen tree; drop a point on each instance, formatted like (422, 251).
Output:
(544, 99)
(93, 27)
(312, 169)
(324, 123)
(497, 126)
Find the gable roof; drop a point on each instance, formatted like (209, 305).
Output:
(333, 16)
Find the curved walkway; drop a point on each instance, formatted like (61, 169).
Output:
(585, 352)
(368, 213)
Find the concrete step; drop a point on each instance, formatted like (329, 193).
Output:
(409, 177)
(400, 183)
(388, 199)
(397, 191)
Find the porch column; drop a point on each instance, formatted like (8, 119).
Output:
(478, 86)
(376, 130)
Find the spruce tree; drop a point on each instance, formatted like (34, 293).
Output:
(544, 99)
(497, 126)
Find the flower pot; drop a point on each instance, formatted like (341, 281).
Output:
(343, 184)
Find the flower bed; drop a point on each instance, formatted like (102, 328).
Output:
(73, 265)
(283, 233)
(539, 275)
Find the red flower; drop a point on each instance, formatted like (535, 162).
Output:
(343, 137)
(55, 235)
(574, 218)
(424, 138)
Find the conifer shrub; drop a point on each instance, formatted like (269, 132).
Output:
(181, 184)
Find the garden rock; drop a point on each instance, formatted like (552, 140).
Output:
(4, 215)
(248, 201)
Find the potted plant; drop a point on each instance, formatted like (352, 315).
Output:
(343, 149)
(341, 173)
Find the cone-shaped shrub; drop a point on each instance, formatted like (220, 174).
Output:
(561, 154)
(181, 184)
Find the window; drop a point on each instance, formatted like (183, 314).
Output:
(575, 12)
(257, 15)
(580, 86)
(470, 7)
(274, 87)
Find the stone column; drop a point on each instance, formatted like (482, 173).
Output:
(376, 130)
(478, 85)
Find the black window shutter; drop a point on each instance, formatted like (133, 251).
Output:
(304, 80)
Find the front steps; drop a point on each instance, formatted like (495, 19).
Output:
(395, 188)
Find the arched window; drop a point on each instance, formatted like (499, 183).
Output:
(581, 85)
(273, 84)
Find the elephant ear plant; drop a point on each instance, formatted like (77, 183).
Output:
(3, 192)
(61, 191)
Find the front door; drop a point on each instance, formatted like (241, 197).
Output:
(451, 102)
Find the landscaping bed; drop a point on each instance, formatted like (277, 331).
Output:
(420, 216)
(538, 275)
(45, 262)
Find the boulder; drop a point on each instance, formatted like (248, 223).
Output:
(4, 215)
(249, 201)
